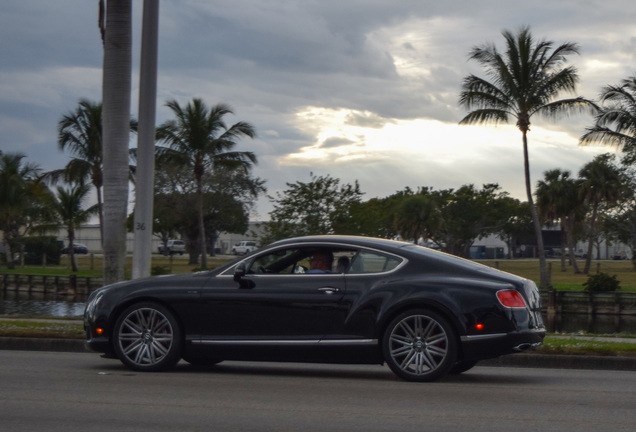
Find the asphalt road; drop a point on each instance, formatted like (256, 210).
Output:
(56, 391)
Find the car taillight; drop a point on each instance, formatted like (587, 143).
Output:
(511, 299)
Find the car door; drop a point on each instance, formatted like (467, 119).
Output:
(280, 306)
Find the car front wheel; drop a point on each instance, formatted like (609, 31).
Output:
(420, 346)
(147, 337)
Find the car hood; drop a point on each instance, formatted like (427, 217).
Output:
(165, 281)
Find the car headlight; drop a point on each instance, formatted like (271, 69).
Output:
(92, 305)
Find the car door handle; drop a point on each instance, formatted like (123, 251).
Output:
(328, 290)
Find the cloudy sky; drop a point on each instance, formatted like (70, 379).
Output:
(361, 90)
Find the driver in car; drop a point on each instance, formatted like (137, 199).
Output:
(321, 262)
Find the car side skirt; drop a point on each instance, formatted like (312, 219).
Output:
(343, 351)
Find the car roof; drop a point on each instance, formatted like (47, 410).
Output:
(371, 242)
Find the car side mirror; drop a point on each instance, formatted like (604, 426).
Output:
(239, 272)
(239, 276)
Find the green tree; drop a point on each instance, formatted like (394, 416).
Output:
(417, 216)
(67, 210)
(467, 214)
(316, 207)
(80, 133)
(524, 80)
(622, 227)
(558, 198)
(20, 191)
(375, 217)
(516, 224)
(602, 184)
(117, 38)
(615, 120)
(199, 138)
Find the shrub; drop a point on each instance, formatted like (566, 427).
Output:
(158, 270)
(602, 282)
(35, 248)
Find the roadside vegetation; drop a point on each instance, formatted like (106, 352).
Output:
(91, 266)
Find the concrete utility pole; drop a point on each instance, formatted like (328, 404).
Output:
(144, 190)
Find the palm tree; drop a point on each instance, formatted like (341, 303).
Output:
(615, 121)
(80, 132)
(116, 84)
(19, 187)
(558, 199)
(67, 210)
(602, 183)
(199, 138)
(525, 80)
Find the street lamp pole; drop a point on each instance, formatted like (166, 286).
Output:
(144, 189)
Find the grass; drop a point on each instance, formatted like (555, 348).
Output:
(576, 346)
(567, 280)
(91, 266)
(34, 328)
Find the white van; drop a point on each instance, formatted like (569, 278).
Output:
(173, 247)
(243, 247)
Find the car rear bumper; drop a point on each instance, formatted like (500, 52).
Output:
(480, 347)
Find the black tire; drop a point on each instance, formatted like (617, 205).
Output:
(147, 337)
(420, 345)
(462, 366)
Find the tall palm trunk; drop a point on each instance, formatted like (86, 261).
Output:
(571, 246)
(100, 205)
(543, 270)
(590, 244)
(202, 242)
(71, 248)
(116, 127)
(564, 234)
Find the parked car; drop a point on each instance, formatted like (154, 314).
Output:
(423, 312)
(78, 248)
(172, 247)
(243, 247)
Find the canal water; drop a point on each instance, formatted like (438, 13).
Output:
(51, 305)
(41, 305)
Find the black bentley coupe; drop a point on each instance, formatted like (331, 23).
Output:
(423, 312)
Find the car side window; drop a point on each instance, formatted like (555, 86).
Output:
(278, 262)
(303, 260)
(366, 262)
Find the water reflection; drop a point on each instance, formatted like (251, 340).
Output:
(38, 304)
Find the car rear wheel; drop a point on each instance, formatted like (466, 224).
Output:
(147, 337)
(420, 345)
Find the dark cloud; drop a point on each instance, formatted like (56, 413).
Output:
(381, 62)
